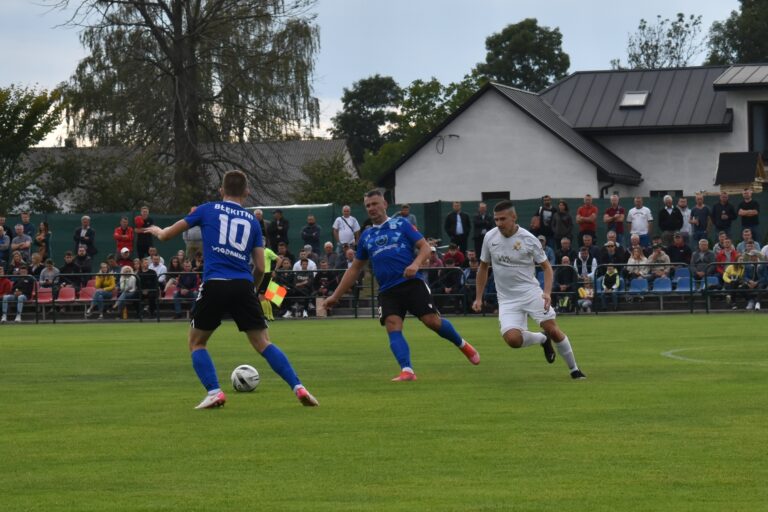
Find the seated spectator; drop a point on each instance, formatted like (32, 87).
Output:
(585, 264)
(160, 269)
(331, 256)
(746, 237)
(284, 276)
(721, 236)
(304, 256)
(727, 254)
(611, 284)
(22, 243)
(105, 287)
(586, 295)
(303, 288)
(311, 254)
(609, 256)
(634, 241)
(6, 285)
(564, 286)
(566, 250)
(470, 279)
(733, 283)
(548, 251)
(149, 287)
(21, 291)
(187, 284)
(620, 249)
(752, 286)
(456, 255)
(344, 264)
(434, 264)
(451, 283)
(125, 259)
(637, 265)
(702, 262)
(152, 253)
(589, 243)
(283, 252)
(198, 263)
(175, 268)
(659, 263)
(129, 289)
(35, 265)
(84, 265)
(325, 280)
(49, 278)
(69, 275)
(679, 253)
(17, 261)
(471, 258)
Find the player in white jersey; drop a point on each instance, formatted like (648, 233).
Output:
(514, 253)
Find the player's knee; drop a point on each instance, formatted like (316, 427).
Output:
(513, 338)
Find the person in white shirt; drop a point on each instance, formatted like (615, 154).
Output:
(640, 221)
(159, 268)
(346, 229)
(687, 229)
(514, 252)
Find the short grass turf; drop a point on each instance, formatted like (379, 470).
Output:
(673, 417)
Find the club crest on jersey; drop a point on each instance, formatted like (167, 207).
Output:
(381, 240)
(392, 224)
(518, 245)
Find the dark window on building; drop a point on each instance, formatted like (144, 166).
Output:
(491, 196)
(661, 193)
(758, 127)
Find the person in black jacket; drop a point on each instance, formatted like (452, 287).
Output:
(482, 222)
(723, 214)
(23, 286)
(457, 226)
(85, 235)
(670, 220)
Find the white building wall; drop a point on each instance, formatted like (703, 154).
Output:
(499, 148)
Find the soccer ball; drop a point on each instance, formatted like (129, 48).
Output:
(245, 378)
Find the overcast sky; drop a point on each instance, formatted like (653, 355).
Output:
(406, 39)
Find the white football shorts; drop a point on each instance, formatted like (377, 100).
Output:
(513, 314)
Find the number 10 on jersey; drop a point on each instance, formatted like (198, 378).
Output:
(229, 231)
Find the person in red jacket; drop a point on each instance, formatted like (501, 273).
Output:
(123, 236)
(586, 219)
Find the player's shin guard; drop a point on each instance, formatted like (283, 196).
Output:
(400, 349)
(206, 372)
(566, 352)
(448, 332)
(281, 365)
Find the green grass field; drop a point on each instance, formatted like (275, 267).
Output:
(100, 417)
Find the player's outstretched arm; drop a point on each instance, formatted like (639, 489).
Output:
(164, 234)
(347, 281)
(480, 281)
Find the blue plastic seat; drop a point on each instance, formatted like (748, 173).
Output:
(662, 285)
(638, 285)
(684, 285)
(682, 272)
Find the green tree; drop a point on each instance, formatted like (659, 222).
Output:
(665, 44)
(330, 182)
(190, 76)
(526, 56)
(742, 37)
(368, 108)
(27, 116)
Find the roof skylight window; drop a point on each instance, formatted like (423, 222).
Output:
(634, 99)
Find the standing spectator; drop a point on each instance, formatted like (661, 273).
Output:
(562, 223)
(277, 231)
(85, 236)
(346, 229)
(687, 228)
(670, 220)
(105, 286)
(29, 229)
(142, 223)
(458, 226)
(546, 213)
(310, 234)
(21, 243)
(700, 220)
(405, 213)
(187, 284)
(23, 287)
(5, 247)
(749, 211)
(586, 218)
(614, 218)
(723, 214)
(123, 236)
(640, 221)
(747, 237)
(702, 262)
(193, 237)
(259, 214)
(43, 240)
(482, 222)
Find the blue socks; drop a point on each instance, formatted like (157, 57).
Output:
(281, 365)
(400, 348)
(203, 365)
(448, 332)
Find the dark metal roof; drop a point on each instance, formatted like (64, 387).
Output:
(743, 76)
(610, 166)
(680, 99)
(741, 167)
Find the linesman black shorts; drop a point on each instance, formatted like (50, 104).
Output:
(411, 296)
(233, 296)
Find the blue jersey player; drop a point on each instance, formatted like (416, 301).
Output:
(231, 238)
(390, 244)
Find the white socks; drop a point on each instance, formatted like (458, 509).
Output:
(533, 338)
(566, 352)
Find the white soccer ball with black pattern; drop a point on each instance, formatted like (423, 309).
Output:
(245, 378)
